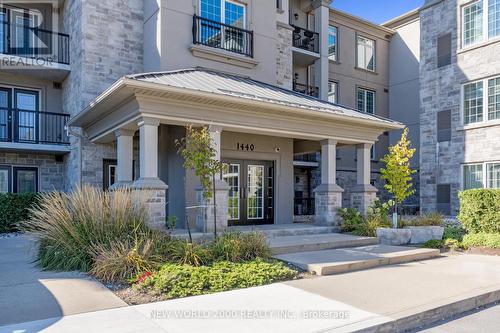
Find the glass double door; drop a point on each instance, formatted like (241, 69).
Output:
(19, 106)
(251, 191)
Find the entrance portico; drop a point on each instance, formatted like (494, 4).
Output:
(256, 129)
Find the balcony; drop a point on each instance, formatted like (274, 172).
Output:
(305, 39)
(33, 130)
(34, 49)
(222, 36)
(305, 89)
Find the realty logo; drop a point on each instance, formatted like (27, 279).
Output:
(28, 39)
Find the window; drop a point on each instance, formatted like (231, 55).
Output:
(480, 21)
(494, 99)
(366, 100)
(444, 50)
(4, 179)
(365, 53)
(482, 175)
(473, 176)
(493, 176)
(493, 18)
(472, 18)
(373, 155)
(481, 101)
(473, 102)
(332, 43)
(228, 12)
(444, 126)
(25, 179)
(332, 92)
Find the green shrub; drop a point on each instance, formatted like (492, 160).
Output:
(124, 260)
(238, 246)
(483, 239)
(433, 244)
(175, 280)
(369, 226)
(351, 219)
(74, 228)
(452, 243)
(184, 253)
(480, 210)
(453, 232)
(15, 209)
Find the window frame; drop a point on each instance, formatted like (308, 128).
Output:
(25, 168)
(336, 92)
(485, 100)
(335, 55)
(485, 27)
(357, 35)
(365, 99)
(9, 177)
(485, 174)
(223, 12)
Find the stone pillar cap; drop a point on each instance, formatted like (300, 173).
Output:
(149, 184)
(361, 188)
(323, 188)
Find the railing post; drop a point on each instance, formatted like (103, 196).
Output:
(195, 29)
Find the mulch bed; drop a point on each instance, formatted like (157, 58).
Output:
(484, 250)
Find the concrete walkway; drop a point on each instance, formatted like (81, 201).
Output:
(28, 294)
(389, 298)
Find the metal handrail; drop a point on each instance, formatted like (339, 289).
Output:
(305, 39)
(31, 126)
(222, 36)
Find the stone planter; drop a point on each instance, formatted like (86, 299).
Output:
(390, 236)
(423, 234)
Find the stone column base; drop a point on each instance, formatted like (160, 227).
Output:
(154, 191)
(363, 197)
(205, 216)
(328, 199)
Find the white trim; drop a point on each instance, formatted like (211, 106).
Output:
(358, 88)
(486, 121)
(484, 166)
(374, 70)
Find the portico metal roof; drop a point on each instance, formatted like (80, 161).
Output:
(215, 82)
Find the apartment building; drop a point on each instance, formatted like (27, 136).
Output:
(460, 100)
(247, 69)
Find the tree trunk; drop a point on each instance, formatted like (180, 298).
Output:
(215, 206)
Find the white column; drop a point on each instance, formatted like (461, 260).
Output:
(148, 154)
(328, 161)
(215, 136)
(363, 152)
(125, 159)
(321, 70)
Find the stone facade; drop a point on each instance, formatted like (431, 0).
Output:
(441, 162)
(284, 64)
(155, 204)
(50, 171)
(328, 199)
(106, 44)
(205, 216)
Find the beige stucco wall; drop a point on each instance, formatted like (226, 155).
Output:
(183, 183)
(50, 98)
(349, 78)
(168, 38)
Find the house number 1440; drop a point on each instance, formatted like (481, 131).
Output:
(245, 147)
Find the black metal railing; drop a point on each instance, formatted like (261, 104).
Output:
(44, 45)
(26, 126)
(305, 39)
(305, 89)
(303, 206)
(222, 36)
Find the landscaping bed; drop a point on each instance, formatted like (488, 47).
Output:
(106, 235)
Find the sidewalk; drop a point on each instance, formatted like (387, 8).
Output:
(394, 296)
(27, 293)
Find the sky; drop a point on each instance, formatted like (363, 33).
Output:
(376, 11)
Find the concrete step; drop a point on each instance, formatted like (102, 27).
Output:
(283, 230)
(336, 261)
(317, 242)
